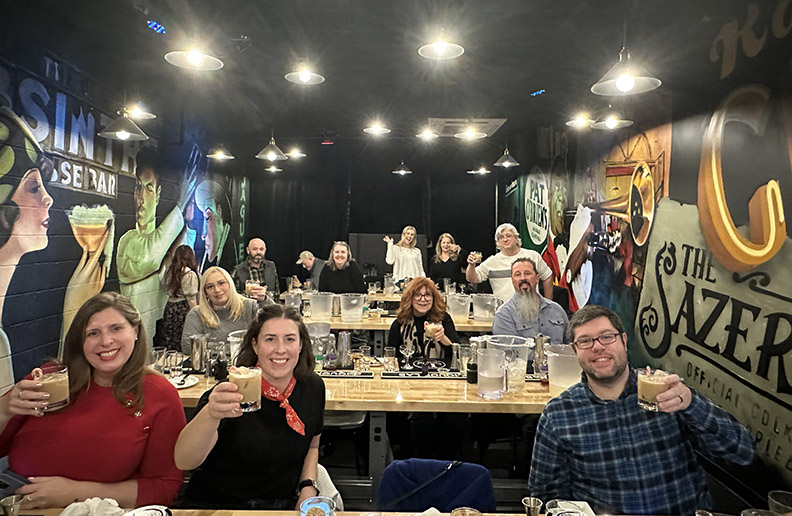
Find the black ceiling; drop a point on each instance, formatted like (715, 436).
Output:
(367, 50)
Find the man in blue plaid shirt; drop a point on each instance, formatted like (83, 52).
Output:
(594, 443)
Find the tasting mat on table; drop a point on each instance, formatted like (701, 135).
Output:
(418, 375)
(345, 373)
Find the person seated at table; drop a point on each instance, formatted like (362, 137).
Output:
(265, 459)
(406, 259)
(341, 274)
(528, 314)
(595, 443)
(449, 261)
(220, 309)
(422, 304)
(115, 438)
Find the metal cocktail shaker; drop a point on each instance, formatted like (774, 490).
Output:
(198, 351)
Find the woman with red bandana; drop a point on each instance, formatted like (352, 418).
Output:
(265, 459)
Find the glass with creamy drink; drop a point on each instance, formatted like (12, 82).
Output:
(650, 384)
(89, 225)
(248, 382)
(54, 380)
(430, 329)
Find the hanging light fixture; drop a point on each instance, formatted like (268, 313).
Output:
(402, 170)
(610, 120)
(471, 133)
(138, 111)
(295, 153)
(441, 50)
(479, 171)
(427, 134)
(580, 121)
(376, 129)
(625, 77)
(304, 76)
(273, 169)
(124, 129)
(506, 160)
(194, 59)
(220, 153)
(271, 152)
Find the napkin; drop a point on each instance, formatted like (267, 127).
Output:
(94, 507)
(431, 511)
(570, 505)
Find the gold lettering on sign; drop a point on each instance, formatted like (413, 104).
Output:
(731, 34)
(766, 210)
(780, 28)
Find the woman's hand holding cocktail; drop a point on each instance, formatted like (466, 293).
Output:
(676, 397)
(224, 401)
(24, 399)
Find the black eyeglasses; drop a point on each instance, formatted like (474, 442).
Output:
(418, 296)
(605, 339)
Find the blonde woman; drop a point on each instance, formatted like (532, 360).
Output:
(449, 261)
(406, 259)
(220, 309)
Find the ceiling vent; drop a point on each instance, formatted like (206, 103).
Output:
(448, 127)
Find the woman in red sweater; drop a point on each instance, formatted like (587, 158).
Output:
(115, 439)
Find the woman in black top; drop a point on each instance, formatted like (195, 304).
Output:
(449, 261)
(421, 304)
(341, 274)
(265, 459)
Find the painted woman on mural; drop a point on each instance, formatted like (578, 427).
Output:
(211, 200)
(24, 221)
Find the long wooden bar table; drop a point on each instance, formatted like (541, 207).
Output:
(379, 396)
(222, 512)
(379, 296)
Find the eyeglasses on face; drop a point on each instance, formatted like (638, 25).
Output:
(212, 286)
(418, 295)
(605, 339)
(505, 235)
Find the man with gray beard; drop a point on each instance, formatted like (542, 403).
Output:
(527, 313)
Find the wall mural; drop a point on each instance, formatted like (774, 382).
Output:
(80, 214)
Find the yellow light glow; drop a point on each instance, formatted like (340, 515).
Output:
(135, 112)
(426, 134)
(625, 82)
(122, 135)
(195, 57)
(271, 156)
(440, 47)
(611, 122)
(305, 75)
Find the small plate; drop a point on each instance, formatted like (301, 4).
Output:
(189, 382)
(153, 510)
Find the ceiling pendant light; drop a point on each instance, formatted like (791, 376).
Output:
(304, 76)
(479, 171)
(441, 50)
(194, 59)
(295, 153)
(506, 160)
(376, 129)
(273, 169)
(625, 77)
(471, 133)
(138, 111)
(271, 152)
(610, 120)
(220, 153)
(124, 129)
(402, 170)
(580, 121)
(427, 134)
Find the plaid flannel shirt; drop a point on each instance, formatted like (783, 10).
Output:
(623, 459)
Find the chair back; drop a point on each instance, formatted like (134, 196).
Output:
(414, 485)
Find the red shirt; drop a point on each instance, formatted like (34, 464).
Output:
(97, 439)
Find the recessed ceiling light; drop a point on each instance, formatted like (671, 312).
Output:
(441, 50)
(304, 76)
(470, 134)
(376, 129)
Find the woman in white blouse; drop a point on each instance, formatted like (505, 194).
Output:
(406, 259)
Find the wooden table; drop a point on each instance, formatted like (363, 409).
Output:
(379, 296)
(378, 396)
(221, 512)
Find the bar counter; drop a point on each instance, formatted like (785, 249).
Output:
(384, 324)
(187, 512)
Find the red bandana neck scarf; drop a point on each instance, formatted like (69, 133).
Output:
(271, 392)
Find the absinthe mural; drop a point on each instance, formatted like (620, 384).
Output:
(707, 263)
(80, 214)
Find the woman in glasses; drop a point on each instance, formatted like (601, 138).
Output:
(422, 323)
(220, 309)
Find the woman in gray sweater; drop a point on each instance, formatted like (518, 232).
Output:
(220, 309)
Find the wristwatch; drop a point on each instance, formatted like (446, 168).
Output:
(305, 483)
